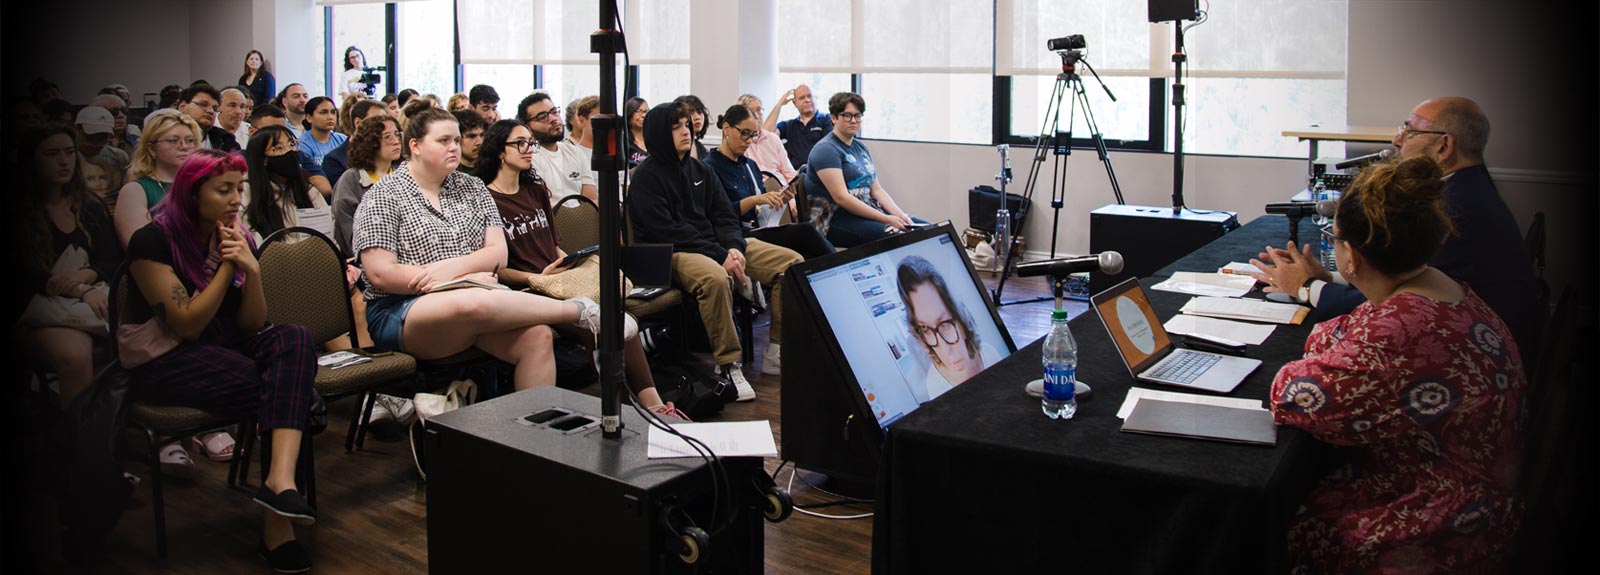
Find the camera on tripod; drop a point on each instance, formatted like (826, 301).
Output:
(1070, 48)
(370, 79)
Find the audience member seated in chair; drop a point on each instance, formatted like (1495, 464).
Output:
(767, 149)
(374, 152)
(71, 253)
(167, 140)
(1425, 384)
(195, 268)
(848, 203)
(277, 191)
(677, 200)
(533, 247)
(427, 224)
(760, 211)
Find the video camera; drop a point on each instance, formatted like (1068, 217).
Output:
(1070, 48)
(370, 79)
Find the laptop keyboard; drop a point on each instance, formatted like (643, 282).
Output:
(1183, 367)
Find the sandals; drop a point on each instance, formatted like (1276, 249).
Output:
(217, 446)
(175, 461)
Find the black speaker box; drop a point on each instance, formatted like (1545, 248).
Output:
(526, 484)
(1150, 237)
(1170, 10)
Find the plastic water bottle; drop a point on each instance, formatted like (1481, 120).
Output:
(1002, 236)
(1320, 192)
(1328, 259)
(1060, 369)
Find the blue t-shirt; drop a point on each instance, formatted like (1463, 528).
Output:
(854, 160)
(740, 179)
(312, 152)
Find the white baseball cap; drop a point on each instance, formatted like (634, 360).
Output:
(95, 120)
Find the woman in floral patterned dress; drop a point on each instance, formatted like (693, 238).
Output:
(1423, 382)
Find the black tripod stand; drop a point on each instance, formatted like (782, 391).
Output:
(1068, 82)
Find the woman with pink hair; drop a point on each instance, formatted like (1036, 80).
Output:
(200, 283)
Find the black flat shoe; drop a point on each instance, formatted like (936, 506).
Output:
(290, 557)
(287, 503)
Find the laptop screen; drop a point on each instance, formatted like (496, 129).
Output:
(1127, 314)
(885, 308)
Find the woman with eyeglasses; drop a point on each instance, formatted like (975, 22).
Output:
(943, 326)
(374, 152)
(848, 203)
(635, 109)
(1423, 383)
(168, 138)
(277, 191)
(766, 150)
(760, 211)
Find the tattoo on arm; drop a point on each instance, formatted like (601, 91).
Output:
(180, 296)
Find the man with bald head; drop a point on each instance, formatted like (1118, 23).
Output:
(1486, 250)
(803, 132)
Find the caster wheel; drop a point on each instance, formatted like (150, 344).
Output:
(779, 505)
(696, 544)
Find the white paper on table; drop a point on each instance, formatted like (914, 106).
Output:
(725, 438)
(1207, 284)
(1238, 268)
(1247, 333)
(320, 219)
(1137, 393)
(1245, 309)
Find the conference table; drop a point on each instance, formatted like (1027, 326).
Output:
(979, 480)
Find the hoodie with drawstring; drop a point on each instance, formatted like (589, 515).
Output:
(678, 200)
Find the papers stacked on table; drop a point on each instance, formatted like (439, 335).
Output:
(1214, 284)
(1246, 309)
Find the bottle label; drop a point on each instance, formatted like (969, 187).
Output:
(1059, 382)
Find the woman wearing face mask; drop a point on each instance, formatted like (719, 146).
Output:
(505, 162)
(759, 210)
(427, 224)
(278, 189)
(169, 137)
(194, 268)
(72, 251)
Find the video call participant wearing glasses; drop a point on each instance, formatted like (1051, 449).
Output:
(943, 326)
(1486, 250)
(169, 138)
(848, 203)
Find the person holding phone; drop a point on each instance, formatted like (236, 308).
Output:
(505, 161)
(759, 211)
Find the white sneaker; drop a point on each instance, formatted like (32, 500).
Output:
(589, 318)
(772, 360)
(390, 408)
(735, 373)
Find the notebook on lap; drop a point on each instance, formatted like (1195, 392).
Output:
(1147, 350)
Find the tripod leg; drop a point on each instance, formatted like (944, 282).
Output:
(1046, 141)
(1099, 143)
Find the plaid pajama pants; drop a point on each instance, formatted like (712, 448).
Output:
(268, 374)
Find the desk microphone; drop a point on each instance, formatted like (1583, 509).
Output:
(1324, 208)
(1108, 262)
(1363, 160)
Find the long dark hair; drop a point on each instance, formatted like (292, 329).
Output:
(178, 214)
(347, 52)
(696, 105)
(311, 108)
(494, 144)
(75, 191)
(265, 67)
(264, 215)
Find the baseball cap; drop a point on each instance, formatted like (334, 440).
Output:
(95, 120)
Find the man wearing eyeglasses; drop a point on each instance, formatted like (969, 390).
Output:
(1486, 251)
(562, 165)
(200, 103)
(122, 136)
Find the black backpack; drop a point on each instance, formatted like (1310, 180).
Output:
(693, 387)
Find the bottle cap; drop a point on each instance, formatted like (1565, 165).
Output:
(1058, 314)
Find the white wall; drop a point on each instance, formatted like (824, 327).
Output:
(220, 34)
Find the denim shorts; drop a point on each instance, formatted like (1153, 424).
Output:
(385, 318)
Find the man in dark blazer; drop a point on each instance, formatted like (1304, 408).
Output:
(1486, 250)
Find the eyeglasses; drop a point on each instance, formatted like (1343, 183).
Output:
(1328, 236)
(947, 330)
(1406, 131)
(547, 115)
(849, 116)
(391, 136)
(747, 134)
(118, 111)
(520, 145)
(177, 141)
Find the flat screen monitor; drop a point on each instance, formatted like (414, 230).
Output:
(908, 317)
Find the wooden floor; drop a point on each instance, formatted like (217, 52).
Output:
(374, 508)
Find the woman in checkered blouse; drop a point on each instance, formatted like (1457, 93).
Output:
(425, 224)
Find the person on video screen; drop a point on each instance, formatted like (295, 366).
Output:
(942, 325)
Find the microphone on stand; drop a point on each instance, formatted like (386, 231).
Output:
(1108, 262)
(1324, 208)
(1363, 160)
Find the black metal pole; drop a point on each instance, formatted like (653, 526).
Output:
(1178, 59)
(607, 41)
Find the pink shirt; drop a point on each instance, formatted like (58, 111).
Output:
(768, 154)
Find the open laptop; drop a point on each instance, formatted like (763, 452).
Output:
(1148, 352)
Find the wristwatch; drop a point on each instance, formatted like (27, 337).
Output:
(1304, 293)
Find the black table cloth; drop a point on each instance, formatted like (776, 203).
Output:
(980, 480)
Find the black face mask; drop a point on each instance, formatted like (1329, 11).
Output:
(286, 166)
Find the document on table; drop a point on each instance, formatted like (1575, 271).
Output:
(340, 359)
(1238, 268)
(1246, 309)
(1247, 333)
(1208, 284)
(726, 439)
(1137, 393)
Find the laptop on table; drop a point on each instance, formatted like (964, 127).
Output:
(1147, 350)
